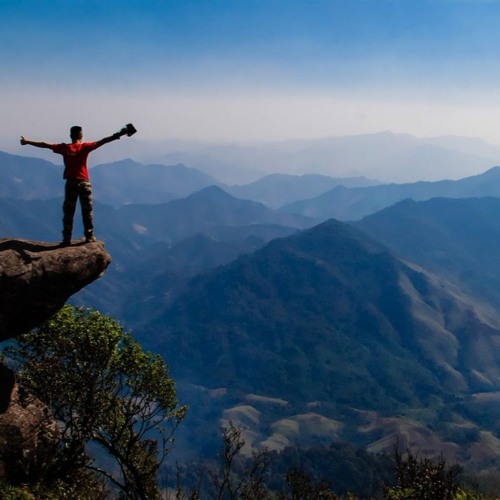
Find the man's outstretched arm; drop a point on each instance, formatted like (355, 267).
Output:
(38, 144)
(111, 138)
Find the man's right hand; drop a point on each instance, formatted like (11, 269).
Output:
(23, 141)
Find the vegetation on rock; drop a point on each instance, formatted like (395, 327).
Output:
(108, 395)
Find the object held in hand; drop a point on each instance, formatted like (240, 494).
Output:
(130, 129)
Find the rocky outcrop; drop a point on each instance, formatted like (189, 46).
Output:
(28, 438)
(36, 279)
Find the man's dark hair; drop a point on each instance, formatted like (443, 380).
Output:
(75, 131)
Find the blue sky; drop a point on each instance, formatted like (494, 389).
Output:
(250, 69)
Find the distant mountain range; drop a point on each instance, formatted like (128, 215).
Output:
(28, 178)
(208, 208)
(384, 156)
(314, 196)
(181, 237)
(276, 190)
(119, 183)
(128, 182)
(344, 203)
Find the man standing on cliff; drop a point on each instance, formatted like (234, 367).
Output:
(77, 177)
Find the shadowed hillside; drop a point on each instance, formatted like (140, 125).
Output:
(327, 326)
(323, 309)
(203, 211)
(29, 178)
(126, 181)
(457, 238)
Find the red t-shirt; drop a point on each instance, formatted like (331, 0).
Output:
(75, 159)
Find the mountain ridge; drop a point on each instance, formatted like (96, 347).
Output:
(329, 319)
(457, 238)
(254, 283)
(387, 156)
(355, 203)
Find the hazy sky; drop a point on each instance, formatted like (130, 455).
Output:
(250, 69)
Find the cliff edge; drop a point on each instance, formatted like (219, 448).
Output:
(36, 279)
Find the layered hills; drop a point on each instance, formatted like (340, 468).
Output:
(327, 325)
(276, 190)
(118, 183)
(345, 203)
(318, 197)
(325, 309)
(127, 182)
(202, 211)
(150, 242)
(384, 155)
(306, 332)
(28, 178)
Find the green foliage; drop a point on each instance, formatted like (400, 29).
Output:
(105, 390)
(347, 468)
(8, 492)
(59, 490)
(239, 477)
(423, 479)
(301, 487)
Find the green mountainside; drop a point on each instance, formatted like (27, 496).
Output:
(328, 321)
(203, 211)
(325, 309)
(457, 238)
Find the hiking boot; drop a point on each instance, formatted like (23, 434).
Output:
(91, 238)
(65, 243)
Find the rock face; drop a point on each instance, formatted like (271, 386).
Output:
(36, 279)
(28, 438)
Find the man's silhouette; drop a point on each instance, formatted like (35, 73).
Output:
(77, 178)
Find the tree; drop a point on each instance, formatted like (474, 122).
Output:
(423, 479)
(233, 475)
(301, 487)
(247, 482)
(104, 390)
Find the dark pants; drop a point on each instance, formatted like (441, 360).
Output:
(73, 191)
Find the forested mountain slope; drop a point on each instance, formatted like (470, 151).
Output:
(456, 238)
(327, 326)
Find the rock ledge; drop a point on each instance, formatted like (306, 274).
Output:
(36, 279)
